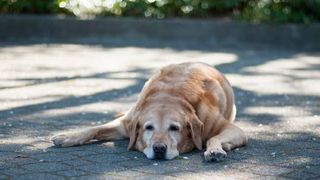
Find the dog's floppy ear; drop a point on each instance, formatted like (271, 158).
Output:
(196, 127)
(133, 129)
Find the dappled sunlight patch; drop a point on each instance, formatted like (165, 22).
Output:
(81, 75)
(281, 112)
(105, 110)
(251, 127)
(16, 100)
(108, 58)
(308, 124)
(11, 83)
(261, 83)
(18, 140)
(298, 62)
(287, 75)
(74, 86)
(75, 60)
(45, 96)
(224, 172)
(25, 144)
(170, 56)
(282, 137)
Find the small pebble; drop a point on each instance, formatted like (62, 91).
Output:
(41, 160)
(185, 158)
(260, 125)
(135, 157)
(225, 166)
(155, 164)
(313, 139)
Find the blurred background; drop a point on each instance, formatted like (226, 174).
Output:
(274, 11)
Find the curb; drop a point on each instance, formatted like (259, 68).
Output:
(25, 27)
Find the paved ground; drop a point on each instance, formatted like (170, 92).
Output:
(47, 88)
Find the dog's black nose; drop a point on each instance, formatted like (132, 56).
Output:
(159, 149)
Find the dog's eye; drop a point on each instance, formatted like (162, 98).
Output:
(149, 127)
(174, 128)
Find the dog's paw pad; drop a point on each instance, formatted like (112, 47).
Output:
(215, 155)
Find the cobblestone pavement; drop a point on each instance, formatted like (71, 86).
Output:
(53, 87)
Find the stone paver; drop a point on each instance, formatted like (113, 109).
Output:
(53, 87)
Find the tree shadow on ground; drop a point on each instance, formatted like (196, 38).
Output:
(109, 95)
(292, 150)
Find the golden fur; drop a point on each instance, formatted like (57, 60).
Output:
(183, 106)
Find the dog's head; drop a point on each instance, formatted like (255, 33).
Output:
(162, 131)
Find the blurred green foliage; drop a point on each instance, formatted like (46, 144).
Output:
(305, 11)
(281, 11)
(28, 6)
(32, 7)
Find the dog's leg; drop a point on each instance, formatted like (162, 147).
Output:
(229, 138)
(110, 131)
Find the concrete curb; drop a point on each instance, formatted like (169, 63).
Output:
(24, 27)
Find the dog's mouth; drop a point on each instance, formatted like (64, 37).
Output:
(159, 156)
(160, 151)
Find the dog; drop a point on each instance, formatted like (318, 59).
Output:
(180, 108)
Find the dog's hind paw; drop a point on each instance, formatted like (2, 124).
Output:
(215, 155)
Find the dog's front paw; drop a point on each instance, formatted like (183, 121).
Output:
(215, 155)
(65, 140)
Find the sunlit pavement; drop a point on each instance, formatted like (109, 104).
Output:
(48, 88)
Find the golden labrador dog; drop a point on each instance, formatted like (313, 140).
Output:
(181, 107)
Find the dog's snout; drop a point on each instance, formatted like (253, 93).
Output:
(159, 149)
